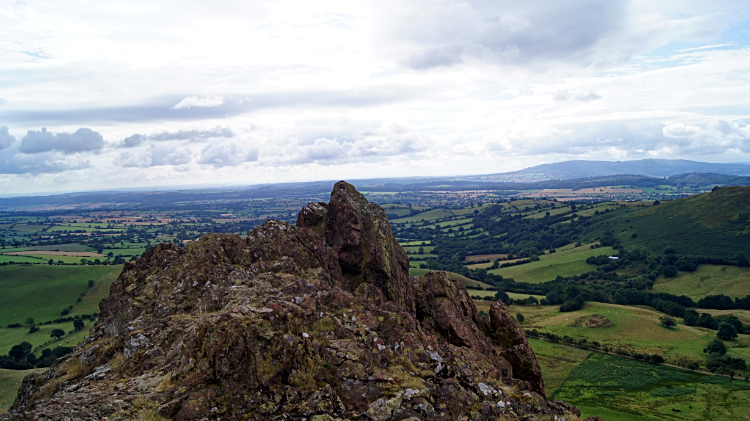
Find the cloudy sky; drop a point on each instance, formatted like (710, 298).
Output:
(110, 94)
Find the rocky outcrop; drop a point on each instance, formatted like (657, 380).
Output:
(360, 233)
(315, 322)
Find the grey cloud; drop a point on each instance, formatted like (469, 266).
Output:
(509, 32)
(3, 101)
(194, 135)
(83, 140)
(163, 108)
(189, 135)
(6, 139)
(226, 154)
(133, 141)
(12, 162)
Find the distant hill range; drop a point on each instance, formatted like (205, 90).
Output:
(581, 169)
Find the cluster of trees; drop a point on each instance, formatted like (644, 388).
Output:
(20, 357)
(718, 362)
(727, 326)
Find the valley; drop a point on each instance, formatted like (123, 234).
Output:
(630, 260)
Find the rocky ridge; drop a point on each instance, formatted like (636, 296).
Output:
(319, 321)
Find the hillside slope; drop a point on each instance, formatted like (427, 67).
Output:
(713, 224)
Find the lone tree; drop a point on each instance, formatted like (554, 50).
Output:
(57, 333)
(667, 322)
(30, 321)
(727, 331)
(78, 324)
(520, 317)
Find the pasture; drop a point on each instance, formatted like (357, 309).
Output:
(43, 291)
(707, 280)
(565, 262)
(10, 381)
(621, 389)
(634, 329)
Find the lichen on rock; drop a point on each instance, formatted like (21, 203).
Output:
(319, 321)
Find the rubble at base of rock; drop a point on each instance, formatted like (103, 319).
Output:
(319, 321)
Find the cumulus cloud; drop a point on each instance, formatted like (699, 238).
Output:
(371, 144)
(166, 156)
(226, 155)
(718, 136)
(82, 140)
(6, 139)
(139, 159)
(12, 162)
(133, 141)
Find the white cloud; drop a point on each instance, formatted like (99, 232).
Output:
(200, 101)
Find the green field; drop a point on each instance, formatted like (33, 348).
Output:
(10, 337)
(430, 215)
(707, 280)
(566, 262)
(635, 329)
(19, 259)
(624, 389)
(10, 381)
(43, 291)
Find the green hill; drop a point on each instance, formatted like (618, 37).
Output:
(715, 224)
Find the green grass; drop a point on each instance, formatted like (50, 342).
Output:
(43, 291)
(635, 329)
(707, 224)
(556, 362)
(10, 382)
(19, 259)
(430, 215)
(707, 280)
(10, 337)
(567, 262)
(624, 389)
(29, 228)
(543, 212)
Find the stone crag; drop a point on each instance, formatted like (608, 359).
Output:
(315, 322)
